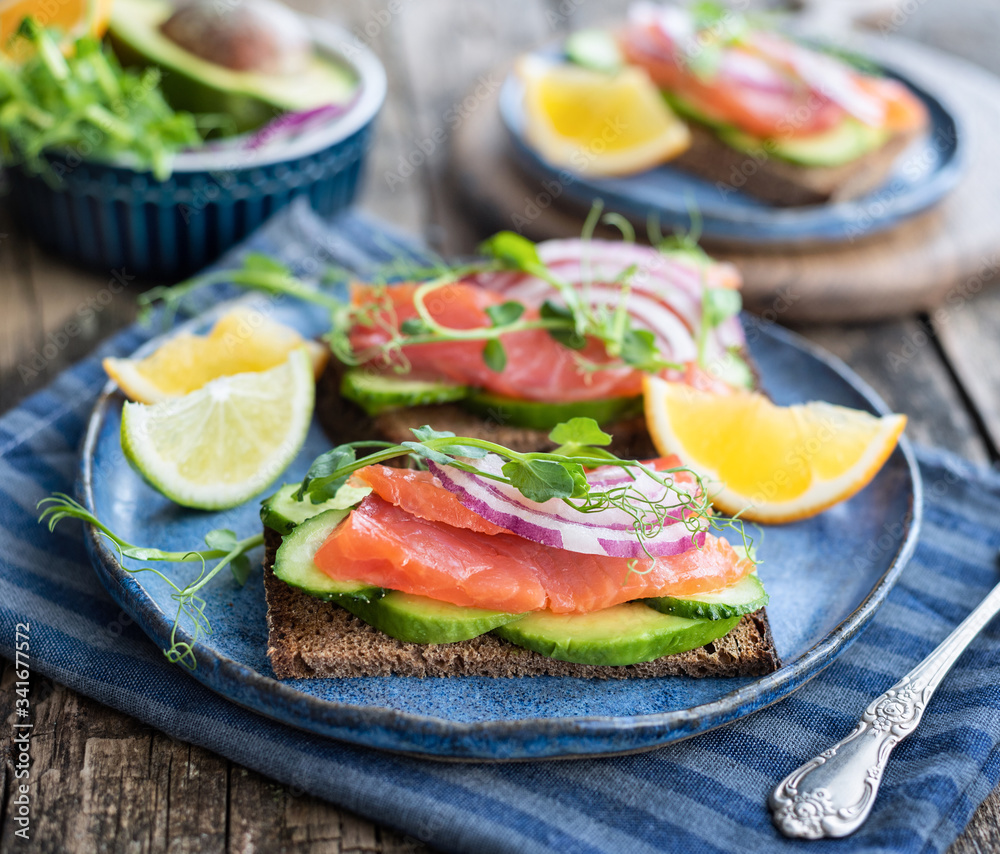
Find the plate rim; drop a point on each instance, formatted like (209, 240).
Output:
(775, 226)
(522, 739)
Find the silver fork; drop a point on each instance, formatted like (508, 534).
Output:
(832, 794)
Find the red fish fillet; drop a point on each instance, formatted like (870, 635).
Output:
(538, 367)
(384, 545)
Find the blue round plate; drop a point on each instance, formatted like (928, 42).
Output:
(826, 577)
(922, 175)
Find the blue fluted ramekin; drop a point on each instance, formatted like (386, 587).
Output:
(108, 216)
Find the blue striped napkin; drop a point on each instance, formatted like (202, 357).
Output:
(705, 794)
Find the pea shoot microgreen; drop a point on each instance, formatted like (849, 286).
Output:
(541, 476)
(85, 101)
(571, 317)
(224, 547)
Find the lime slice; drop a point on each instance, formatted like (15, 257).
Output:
(222, 444)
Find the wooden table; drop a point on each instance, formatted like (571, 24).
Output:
(107, 782)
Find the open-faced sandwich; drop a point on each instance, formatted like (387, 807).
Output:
(770, 115)
(491, 562)
(509, 347)
(813, 126)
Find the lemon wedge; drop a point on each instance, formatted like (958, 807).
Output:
(242, 341)
(596, 123)
(766, 462)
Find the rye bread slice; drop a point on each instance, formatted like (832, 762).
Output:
(309, 638)
(782, 183)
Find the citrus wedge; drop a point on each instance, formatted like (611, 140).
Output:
(222, 444)
(241, 341)
(73, 18)
(597, 123)
(766, 462)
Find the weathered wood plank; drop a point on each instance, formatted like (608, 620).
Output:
(21, 320)
(966, 327)
(982, 836)
(78, 309)
(102, 781)
(476, 39)
(374, 24)
(265, 816)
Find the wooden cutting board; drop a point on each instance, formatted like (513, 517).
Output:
(945, 254)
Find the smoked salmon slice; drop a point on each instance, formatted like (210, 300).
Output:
(388, 546)
(765, 84)
(420, 493)
(538, 367)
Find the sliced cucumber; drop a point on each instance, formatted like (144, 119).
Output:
(282, 512)
(419, 619)
(733, 370)
(691, 111)
(619, 635)
(843, 143)
(745, 597)
(594, 49)
(294, 563)
(376, 393)
(539, 415)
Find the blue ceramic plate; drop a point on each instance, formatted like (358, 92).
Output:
(922, 175)
(826, 577)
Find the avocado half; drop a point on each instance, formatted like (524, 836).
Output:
(190, 83)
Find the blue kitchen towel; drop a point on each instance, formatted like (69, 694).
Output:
(705, 794)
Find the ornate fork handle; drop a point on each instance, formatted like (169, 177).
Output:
(832, 794)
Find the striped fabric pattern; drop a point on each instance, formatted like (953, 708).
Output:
(706, 794)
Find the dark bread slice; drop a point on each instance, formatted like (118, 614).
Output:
(782, 183)
(309, 638)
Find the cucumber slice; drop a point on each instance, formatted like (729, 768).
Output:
(538, 415)
(294, 564)
(594, 49)
(690, 111)
(843, 143)
(745, 597)
(733, 370)
(376, 393)
(419, 619)
(282, 512)
(619, 635)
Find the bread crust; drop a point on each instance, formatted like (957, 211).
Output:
(309, 638)
(787, 184)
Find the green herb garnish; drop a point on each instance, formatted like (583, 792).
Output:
(223, 545)
(540, 476)
(571, 322)
(86, 106)
(559, 474)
